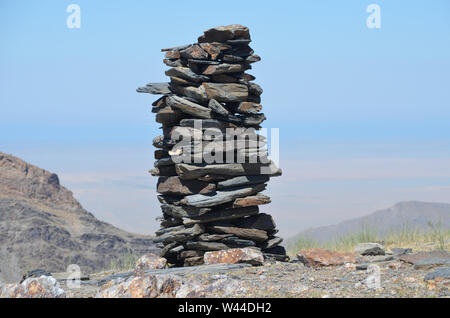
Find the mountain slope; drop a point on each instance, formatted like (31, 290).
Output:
(413, 214)
(43, 226)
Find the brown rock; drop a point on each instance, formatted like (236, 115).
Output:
(213, 237)
(218, 108)
(175, 186)
(223, 214)
(316, 257)
(186, 73)
(223, 78)
(212, 50)
(205, 246)
(251, 234)
(261, 221)
(194, 52)
(187, 254)
(163, 171)
(193, 261)
(254, 119)
(161, 153)
(248, 77)
(223, 68)
(226, 92)
(173, 62)
(232, 58)
(172, 55)
(194, 92)
(258, 199)
(249, 108)
(235, 255)
(253, 58)
(176, 48)
(169, 116)
(180, 81)
(168, 286)
(417, 257)
(178, 234)
(150, 261)
(189, 107)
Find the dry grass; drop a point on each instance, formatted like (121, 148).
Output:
(123, 263)
(434, 237)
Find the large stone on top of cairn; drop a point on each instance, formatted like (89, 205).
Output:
(224, 33)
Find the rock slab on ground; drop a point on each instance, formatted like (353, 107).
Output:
(317, 257)
(369, 249)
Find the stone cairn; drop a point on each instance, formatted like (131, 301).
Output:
(211, 162)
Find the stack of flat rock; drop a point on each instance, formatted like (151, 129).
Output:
(211, 160)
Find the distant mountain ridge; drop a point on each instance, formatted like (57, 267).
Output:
(414, 214)
(43, 226)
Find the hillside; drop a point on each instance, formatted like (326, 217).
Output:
(43, 226)
(412, 214)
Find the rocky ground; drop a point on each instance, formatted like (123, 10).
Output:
(369, 272)
(400, 276)
(296, 280)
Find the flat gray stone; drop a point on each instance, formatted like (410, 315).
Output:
(182, 271)
(401, 251)
(245, 233)
(179, 211)
(192, 171)
(442, 272)
(431, 262)
(221, 197)
(176, 48)
(186, 73)
(369, 249)
(155, 89)
(226, 92)
(205, 246)
(236, 242)
(189, 107)
(241, 181)
(272, 242)
(218, 108)
(180, 234)
(223, 214)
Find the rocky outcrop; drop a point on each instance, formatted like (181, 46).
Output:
(43, 226)
(211, 161)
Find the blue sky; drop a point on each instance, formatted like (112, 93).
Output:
(370, 107)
